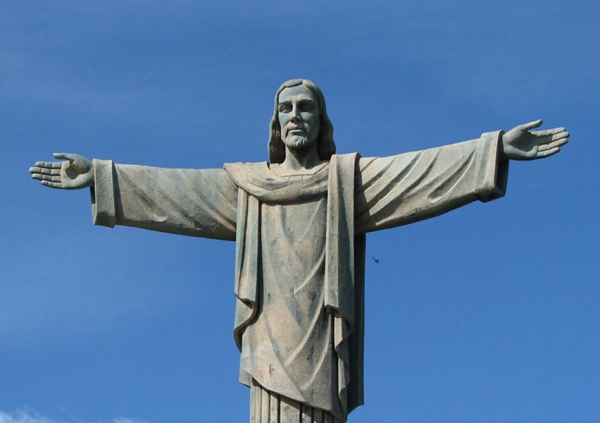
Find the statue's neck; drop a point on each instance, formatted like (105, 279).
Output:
(300, 160)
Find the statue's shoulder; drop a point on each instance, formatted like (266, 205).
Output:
(247, 171)
(346, 159)
(247, 166)
(354, 155)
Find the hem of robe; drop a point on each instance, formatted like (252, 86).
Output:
(268, 407)
(492, 169)
(103, 194)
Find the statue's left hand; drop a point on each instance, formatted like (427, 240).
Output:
(520, 143)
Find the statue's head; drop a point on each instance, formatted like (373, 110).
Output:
(325, 143)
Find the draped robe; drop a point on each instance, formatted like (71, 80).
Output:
(300, 246)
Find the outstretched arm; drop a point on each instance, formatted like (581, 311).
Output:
(413, 186)
(74, 172)
(183, 201)
(520, 143)
(409, 187)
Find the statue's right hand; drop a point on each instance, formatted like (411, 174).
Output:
(74, 173)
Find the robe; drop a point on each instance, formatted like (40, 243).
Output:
(299, 276)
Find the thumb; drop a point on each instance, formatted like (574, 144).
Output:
(534, 124)
(76, 162)
(65, 156)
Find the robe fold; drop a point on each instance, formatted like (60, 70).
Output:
(300, 246)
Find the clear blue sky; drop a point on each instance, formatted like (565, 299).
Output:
(487, 314)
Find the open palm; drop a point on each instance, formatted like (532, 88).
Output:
(520, 143)
(74, 173)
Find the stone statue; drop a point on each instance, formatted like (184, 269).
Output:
(299, 222)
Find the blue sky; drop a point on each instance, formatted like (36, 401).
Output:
(487, 314)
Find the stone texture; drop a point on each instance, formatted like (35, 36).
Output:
(299, 223)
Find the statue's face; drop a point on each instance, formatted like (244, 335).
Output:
(298, 112)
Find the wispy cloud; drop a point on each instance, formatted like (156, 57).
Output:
(33, 417)
(24, 417)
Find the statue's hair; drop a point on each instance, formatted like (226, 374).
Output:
(325, 143)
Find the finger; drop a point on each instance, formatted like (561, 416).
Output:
(52, 165)
(46, 177)
(553, 144)
(44, 171)
(563, 134)
(531, 125)
(547, 153)
(65, 156)
(558, 139)
(547, 132)
(51, 184)
(559, 143)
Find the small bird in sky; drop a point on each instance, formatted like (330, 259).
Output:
(375, 260)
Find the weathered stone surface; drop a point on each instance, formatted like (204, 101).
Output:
(299, 222)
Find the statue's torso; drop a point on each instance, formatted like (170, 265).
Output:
(288, 347)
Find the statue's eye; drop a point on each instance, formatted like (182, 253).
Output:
(306, 106)
(285, 108)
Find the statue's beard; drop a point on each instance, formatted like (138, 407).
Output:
(297, 142)
(300, 141)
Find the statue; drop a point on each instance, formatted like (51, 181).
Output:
(299, 222)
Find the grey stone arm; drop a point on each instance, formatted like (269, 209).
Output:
(74, 172)
(520, 143)
(195, 202)
(409, 187)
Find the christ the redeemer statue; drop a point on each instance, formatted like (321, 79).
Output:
(299, 222)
